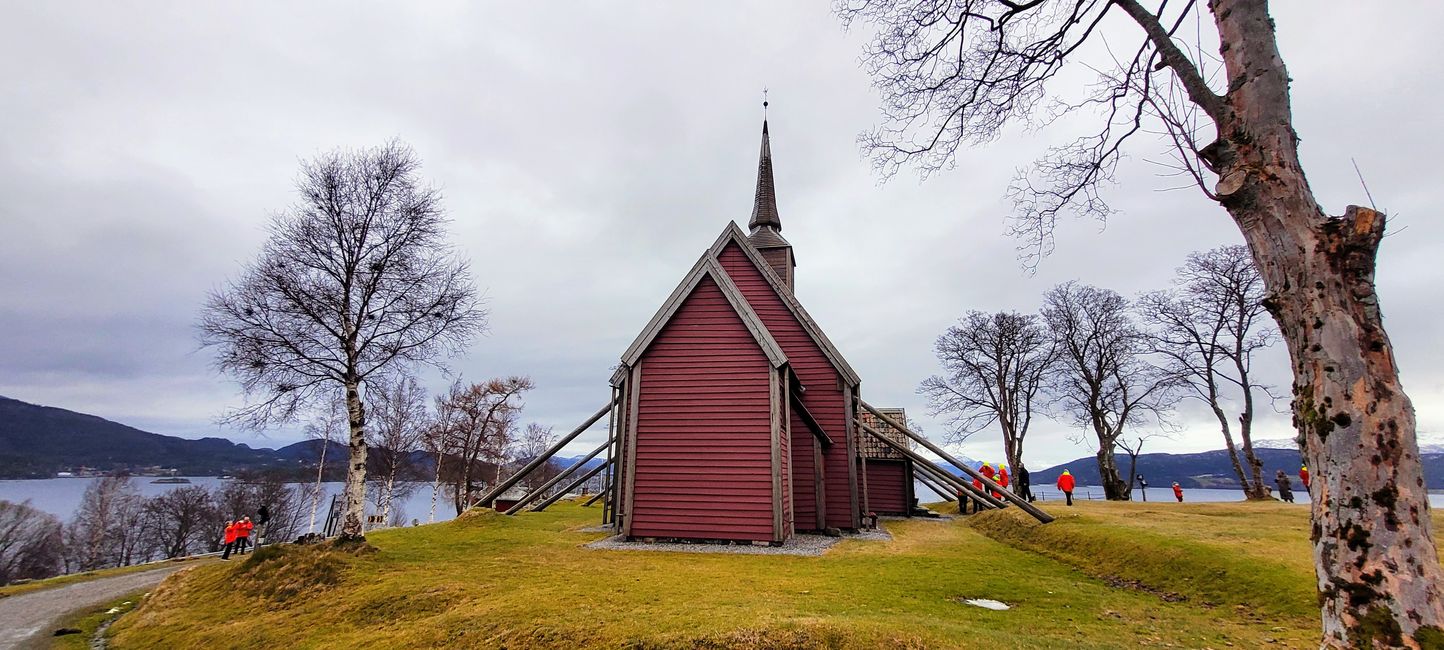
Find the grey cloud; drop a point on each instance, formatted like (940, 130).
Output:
(588, 154)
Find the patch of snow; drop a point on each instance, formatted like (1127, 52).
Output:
(1276, 443)
(985, 603)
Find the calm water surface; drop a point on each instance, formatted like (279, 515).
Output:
(61, 496)
(1201, 495)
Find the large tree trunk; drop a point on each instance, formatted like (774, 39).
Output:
(1248, 488)
(351, 525)
(1379, 576)
(1114, 487)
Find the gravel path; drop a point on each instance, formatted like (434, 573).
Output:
(26, 620)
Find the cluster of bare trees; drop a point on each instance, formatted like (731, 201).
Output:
(1114, 368)
(460, 442)
(115, 525)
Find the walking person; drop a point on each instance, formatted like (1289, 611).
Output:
(1178, 491)
(1002, 478)
(1065, 485)
(230, 540)
(977, 502)
(987, 470)
(1286, 490)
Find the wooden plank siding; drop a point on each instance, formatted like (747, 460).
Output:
(824, 397)
(702, 466)
(887, 487)
(804, 502)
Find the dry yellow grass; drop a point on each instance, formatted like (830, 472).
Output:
(491, 581)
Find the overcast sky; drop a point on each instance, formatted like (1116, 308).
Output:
(588, 154)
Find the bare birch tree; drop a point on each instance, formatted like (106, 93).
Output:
(106, 530)
(1103, 379)
(1209, 328)
(996, 366)
(355, 284)
(479, 422)
(401, 418)
(30, 542)
(534, 440)
(179, 522)
(326, 425)
(961, 71)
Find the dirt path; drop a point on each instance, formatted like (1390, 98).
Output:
(27, 620)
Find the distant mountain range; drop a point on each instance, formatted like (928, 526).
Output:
(39, 441)
(1210, 469)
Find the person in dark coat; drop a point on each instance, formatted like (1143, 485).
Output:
(1286, 490)
(1020, 475)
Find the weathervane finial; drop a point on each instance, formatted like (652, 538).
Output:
(764, 102)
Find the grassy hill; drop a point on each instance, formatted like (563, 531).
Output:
(1105, 575)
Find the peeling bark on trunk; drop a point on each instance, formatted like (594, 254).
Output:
(435, 490)
(351, 525)
(1379, 576)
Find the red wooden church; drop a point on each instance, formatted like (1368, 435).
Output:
(735, 407)
(733, 417)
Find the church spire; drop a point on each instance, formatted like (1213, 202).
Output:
(764, 205)
(766, 226)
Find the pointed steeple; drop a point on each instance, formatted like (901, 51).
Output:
(764, 206)
(765, 225)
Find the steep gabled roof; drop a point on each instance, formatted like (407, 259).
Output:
(706, 267)
(733, 234)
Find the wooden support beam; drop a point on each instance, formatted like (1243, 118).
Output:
(987, 482)
(487, 499)
(563, 492)
(937, 489)
(598, 495)
(558, 478)
(927, 466)
(811, 422)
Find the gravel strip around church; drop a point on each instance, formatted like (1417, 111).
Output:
(804, 545)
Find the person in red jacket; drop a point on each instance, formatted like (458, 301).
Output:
(1065, 485)
(1178, 491)
(977, 503)
(1304, 476)
(243, 534)
(1003, 475)
(987, 470)
(230, 540)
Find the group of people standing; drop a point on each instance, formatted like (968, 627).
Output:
(1003, 479)
(1066, 484)
(237, 537)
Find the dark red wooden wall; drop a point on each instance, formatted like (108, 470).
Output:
(703, 433)
(804, 497)
(824, 397)
(887, 487)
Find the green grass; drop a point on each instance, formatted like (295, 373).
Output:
(1193, 576)
(90, 620)
(84, 576)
